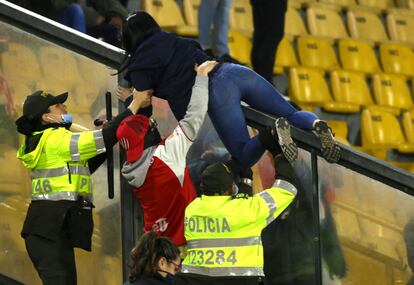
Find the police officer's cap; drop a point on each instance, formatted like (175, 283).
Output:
(38, 103)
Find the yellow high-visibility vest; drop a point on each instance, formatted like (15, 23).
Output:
(58, 164)
(223, 234)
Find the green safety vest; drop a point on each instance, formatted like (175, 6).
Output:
(223, 234)
(59, 163)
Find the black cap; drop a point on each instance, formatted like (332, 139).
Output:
(38, 103)
(216, 179)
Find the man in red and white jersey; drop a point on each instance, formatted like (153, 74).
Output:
(156, 169)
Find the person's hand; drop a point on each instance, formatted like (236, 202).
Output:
(123, 93)
(116, 21)
(142, 99)
(205, 67)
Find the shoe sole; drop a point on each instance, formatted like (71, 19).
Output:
(329, 148)
(288, 146)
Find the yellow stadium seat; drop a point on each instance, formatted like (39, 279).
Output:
(358, 56)
(325, 23)
(397, 58)
(344, 3)
(365, 25)
(408, 125)
(317, 53)
(59, 68)
(191, 13)
(340, 129)
(285, 57)
(18, 58)
(168, 16)
(241, 17)
(346, 223)
(307, 87)
(294, 25)
(381, 130)
(391, 91)
(400, 27)
(351, 88)
(382, 4)
(240, 47)
(409, 4)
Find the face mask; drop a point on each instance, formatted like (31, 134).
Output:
(67, 118)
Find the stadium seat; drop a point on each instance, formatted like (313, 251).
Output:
(340, 129)
(409, 4)
(294, 25)
(317, 53)
(285, 57)
(381, 130)
(392, 92)
(350, 87)
(307, 87)
(169, 17)
(365, 25)
(325, 23)
(401, 27)
(397, 58)
(346, 223)
(20, 57)
(358, 56)
(382, 4)
(240, 47)
(344, 3)
(241, 17)
(408, 126)
(59, 68)
(191, 13)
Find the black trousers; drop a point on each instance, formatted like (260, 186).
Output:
(53, 260)
(269, 27)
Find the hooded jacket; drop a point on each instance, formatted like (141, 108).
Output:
(165, 63)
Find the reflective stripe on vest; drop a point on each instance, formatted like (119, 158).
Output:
(223, 271)
(223, 242)
(62, 195)
(74, 144)
(271, 204)
(285, 186)
(60, 171)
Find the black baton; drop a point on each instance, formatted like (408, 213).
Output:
(109, 152)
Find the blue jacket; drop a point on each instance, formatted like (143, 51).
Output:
(165, 62)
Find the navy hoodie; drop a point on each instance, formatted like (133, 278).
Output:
(165, 62)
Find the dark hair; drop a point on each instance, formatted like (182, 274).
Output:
(144, 257)
(135, 30)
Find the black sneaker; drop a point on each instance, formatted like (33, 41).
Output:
(288, 146)
(329, 148)
(228, 58)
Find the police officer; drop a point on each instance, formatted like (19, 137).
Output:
(59, 217)
(223, 230)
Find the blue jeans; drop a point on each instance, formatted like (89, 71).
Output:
(73, 16)
(217, 11)
(229, 85)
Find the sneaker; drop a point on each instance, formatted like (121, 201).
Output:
(329, 148)
(228, 58)
(288, 146)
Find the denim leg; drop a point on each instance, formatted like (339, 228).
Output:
(206, 14)
(221, 27)
(73, 16)
(263, 96)
(228, 120)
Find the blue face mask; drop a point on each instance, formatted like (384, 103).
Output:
(67, 119)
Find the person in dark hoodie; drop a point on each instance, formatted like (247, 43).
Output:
(163, 62)
(59, 217)
(156, 169)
